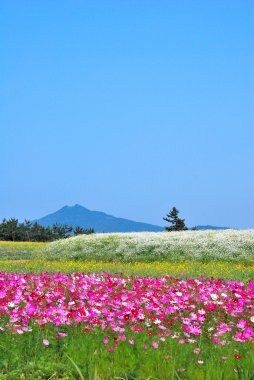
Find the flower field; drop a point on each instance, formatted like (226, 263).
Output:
(99, 319)
(188, 269)
(167, 306)
(134, 315)
(19, 250)
(201, 246)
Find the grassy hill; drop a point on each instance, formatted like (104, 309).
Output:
(227, 245)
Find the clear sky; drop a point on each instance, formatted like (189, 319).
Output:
(128, 107)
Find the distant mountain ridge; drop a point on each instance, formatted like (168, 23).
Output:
(208, 227)
(101, 222)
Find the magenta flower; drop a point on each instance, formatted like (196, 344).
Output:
(163, 307)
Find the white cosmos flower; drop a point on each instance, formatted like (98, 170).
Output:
(218, 244)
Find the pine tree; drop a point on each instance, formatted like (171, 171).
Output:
(80, 231)
(177, 223)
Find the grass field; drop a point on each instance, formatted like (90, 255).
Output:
(193, 317)
(84, 356)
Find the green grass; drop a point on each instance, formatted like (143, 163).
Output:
(83, 356)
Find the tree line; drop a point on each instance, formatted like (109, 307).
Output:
(13, 230)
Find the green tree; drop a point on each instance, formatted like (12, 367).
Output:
(24, 230)
(61, 231)
(4, 235)
(40, 233)
(10, 230)
(177, 224)
(80, 231)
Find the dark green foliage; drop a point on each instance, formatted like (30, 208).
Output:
(83, 231)
(9, 230)
(177, 223)
(12, 230)
(61, 231)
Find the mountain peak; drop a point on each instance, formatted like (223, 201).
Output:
(76, 206)
(78, 215)
(208, 227)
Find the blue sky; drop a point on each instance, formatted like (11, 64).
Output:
(128, 107)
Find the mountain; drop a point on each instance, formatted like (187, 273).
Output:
(80, 216)
(211, 228)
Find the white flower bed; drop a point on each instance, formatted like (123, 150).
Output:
(236, 245)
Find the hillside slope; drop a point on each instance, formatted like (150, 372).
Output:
(228, 245)
(101, 222)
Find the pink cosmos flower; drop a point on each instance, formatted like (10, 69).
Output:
(45, 342)
(119, 304)
(241, 324)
